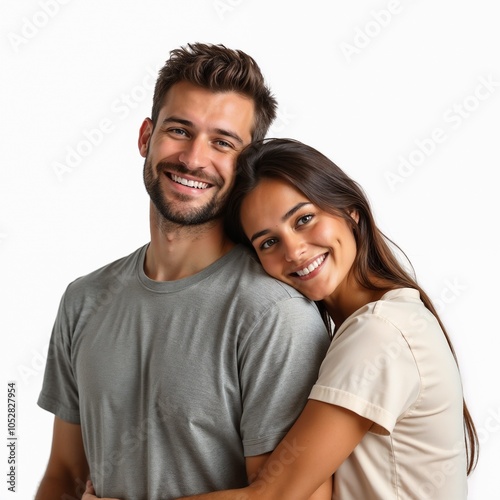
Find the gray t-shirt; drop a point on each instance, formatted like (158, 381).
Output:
(174, 383)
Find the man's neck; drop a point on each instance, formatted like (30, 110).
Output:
(177, 251)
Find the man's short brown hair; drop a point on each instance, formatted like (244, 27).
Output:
(219, 69)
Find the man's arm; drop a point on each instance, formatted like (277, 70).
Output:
(67, 470)
(254, 465)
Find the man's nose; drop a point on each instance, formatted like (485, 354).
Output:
(195, 154)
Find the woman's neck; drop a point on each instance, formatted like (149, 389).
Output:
(351, 296)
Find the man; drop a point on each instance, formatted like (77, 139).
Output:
(177, 369)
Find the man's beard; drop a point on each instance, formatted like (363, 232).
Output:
(192, 217)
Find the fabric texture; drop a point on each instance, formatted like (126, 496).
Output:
(175, 382)
(390, 363)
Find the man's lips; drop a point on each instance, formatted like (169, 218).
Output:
(190, 178)
(191, 183)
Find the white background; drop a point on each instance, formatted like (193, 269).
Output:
(372, 84)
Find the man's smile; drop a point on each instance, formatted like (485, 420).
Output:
(188, 182)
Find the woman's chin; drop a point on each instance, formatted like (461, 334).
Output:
(311, 295)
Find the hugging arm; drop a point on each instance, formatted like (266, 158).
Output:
(253, 465)
(301, 466)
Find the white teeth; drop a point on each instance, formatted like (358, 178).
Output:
(311, 267)
(189, 183)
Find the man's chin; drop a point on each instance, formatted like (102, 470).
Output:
(193, 218)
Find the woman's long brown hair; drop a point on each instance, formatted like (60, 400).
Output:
(332, 190)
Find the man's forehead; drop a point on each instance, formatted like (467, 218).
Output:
(196, 106)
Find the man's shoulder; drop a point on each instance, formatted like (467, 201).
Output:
(119, 270)
(252, 277)
(264, 303)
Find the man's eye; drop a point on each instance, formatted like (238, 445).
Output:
(268, 243)
(178, 131)
(304, 219)
(223, 144)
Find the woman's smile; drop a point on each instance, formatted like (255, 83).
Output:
(311, 270)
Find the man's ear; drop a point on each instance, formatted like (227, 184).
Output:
(145, 133)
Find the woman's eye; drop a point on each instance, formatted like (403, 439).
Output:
(304, 219)
(267, 244)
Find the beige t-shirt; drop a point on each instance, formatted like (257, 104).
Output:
(390, 363)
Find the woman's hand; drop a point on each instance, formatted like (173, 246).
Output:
(89, 493)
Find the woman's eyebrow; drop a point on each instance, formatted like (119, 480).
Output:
(293, 210)
(258, 234)
(283, 219)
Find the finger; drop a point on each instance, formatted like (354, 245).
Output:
(90, 488)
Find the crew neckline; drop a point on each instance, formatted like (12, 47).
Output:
(180, 284)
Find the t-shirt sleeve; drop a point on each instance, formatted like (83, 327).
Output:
(280, 359)
(59, 394)
(370, 370)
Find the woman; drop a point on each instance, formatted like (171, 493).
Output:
(387, 414)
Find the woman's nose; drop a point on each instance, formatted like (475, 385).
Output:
(294, 248)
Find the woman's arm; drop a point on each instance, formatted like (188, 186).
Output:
(320, 440)
(256, 464)
(301, 466)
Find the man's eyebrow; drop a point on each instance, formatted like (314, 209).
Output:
(228, 133)
(290, 212)
(187, 123)
(174, 119)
